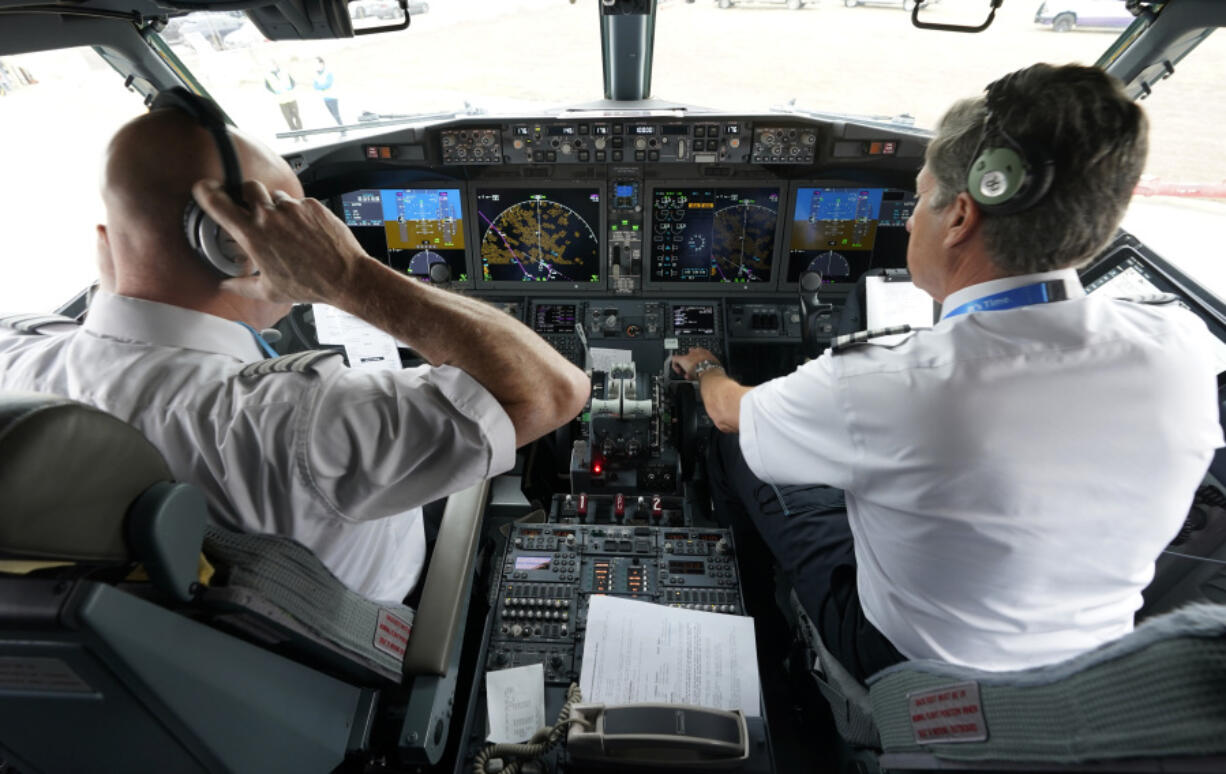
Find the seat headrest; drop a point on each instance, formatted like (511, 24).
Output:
(68, 474)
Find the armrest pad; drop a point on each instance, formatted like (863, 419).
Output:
(448, 580)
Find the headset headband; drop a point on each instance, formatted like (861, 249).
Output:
(208, 115)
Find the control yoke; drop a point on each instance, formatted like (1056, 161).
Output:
(814, 315)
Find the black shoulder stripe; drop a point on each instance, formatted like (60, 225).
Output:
(851, 340)
(1155, 299)
(33, 323)
(297, 363)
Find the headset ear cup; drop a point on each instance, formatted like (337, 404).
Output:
(996, 177)
(1040, 173)
(204, 237)
(191, 226)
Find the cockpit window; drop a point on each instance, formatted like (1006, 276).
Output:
(57, 111)
(861, 57)
(466, 58)
(1179, 209)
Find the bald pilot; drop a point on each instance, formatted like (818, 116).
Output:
(339, 459)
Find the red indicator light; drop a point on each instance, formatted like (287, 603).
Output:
(597, 467)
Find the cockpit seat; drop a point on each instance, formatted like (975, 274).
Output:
(275, 591)
(101, 672)
(1152, 699)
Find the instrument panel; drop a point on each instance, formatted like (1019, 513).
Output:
(646, 205)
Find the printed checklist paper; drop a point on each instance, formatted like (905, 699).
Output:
(639, 652)
(515, 699)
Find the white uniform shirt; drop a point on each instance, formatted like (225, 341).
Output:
(1011, 475)
(338, 459)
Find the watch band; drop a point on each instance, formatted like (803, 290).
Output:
(705, 365)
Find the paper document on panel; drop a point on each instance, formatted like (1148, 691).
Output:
(639, 652)
(892, 303)
(515, 701)
(365, 345)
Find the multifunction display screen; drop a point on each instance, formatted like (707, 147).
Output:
(411, 229)
(843, 232)
(532, 562)
(707, 234)
(545, 235)
(694, 320)
(554, 318)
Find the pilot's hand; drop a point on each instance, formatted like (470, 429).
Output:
(684, 364)
(302, 251)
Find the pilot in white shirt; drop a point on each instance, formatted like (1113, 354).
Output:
(301, 446)
(1010, 475)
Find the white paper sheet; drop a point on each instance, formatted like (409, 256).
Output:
(896, 303)
(365, 345)
(515, 700)
(640, 652)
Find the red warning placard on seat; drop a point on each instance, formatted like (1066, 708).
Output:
(392, 634)
(951, 713)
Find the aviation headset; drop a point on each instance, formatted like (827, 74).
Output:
(207, 239)
(1006, 176)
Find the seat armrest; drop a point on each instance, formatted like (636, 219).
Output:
(165, 530)
(448, 582)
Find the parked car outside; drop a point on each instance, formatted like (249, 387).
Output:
(795, 5)
(906, 5)
(213, 26)
(245, 36)
(1065, 15)
(385, 9)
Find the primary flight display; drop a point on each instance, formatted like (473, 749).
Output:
(414, 230)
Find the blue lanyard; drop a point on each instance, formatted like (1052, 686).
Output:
(1038, 293)
(268, 351)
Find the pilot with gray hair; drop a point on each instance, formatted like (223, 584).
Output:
(340, 459)
(993, 491)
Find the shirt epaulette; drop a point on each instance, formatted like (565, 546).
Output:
(1153, 299)
(34, 323)
(851, 340)
(297, 363)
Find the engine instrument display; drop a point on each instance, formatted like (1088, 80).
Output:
(844, 232)
(419, 231)
(530, 235)
(708, 234)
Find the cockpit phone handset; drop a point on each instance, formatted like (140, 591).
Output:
(673, 736)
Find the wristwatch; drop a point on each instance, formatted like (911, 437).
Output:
(703, 366)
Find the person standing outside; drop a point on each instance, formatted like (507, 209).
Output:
(323, 84)
(282, 85)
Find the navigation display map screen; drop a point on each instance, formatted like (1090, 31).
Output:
(411, 229)
(554, 318)
(530, 235)
(694, 320)
(707, 234)
(844, 232)
(1129, 279)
